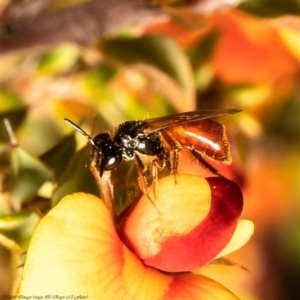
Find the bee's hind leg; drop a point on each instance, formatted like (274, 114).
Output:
(204, 163)
(174, 148)
(142, 179)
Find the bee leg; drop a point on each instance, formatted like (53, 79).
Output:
(156, 164)
(175, 149)
(174, 157)
(142, 180)
(204, 163)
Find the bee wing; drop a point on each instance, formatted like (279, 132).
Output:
(185, 117)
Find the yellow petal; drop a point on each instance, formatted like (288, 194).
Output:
(241, 236)
(189, 286)
(65, 254)
(142, 282)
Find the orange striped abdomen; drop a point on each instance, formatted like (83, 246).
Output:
(207, 137)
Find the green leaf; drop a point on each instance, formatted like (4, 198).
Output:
(96, 82)
(19, 226)
(60, 155)
(13, 221)
(59, 60)
(77, 177)
(29, 175)
(9, 101)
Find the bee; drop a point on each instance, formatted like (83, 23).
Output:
(162, 138)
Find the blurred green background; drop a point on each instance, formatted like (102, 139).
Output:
(243, 57)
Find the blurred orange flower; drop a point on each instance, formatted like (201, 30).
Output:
(77, 252)
(250, 50)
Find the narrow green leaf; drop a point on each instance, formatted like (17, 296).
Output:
(19, 226)
(13, 221)
(59, 60)
(29, 175)
(60, 155)
(77, 177)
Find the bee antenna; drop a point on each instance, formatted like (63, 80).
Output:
(76, 127)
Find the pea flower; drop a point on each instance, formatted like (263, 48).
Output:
(78, 251)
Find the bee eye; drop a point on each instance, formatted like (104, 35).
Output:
(110, 163)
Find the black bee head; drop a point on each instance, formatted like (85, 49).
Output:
(105, 153)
